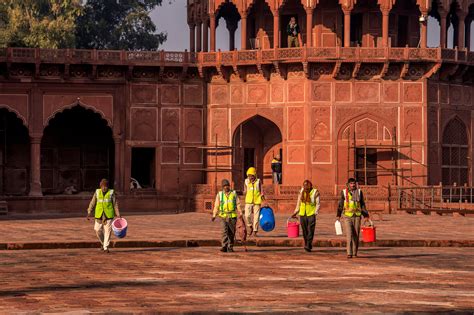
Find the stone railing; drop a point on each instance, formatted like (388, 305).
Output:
(236, 57)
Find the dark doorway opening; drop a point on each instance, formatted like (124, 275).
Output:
(143, 166)
(249, 159)
(402, 30)
(366, 166)
(77, 151)
(356, 29)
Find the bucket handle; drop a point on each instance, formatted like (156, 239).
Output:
(291, 218)
(370, 223)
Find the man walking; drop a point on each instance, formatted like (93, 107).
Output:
(253, 200)
(106, 208)
(227, 205)
(293, 32)
(352, 206)
(276, 170)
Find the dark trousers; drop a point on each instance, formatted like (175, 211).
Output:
(308, 225)
(228, 232)
(352, 229)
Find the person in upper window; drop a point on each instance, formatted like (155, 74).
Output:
(293, 32)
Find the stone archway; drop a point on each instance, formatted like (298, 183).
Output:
(257, 140)
(77, 150)
(14, 154)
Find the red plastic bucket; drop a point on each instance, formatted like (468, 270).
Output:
(292, 228)
(368, 234)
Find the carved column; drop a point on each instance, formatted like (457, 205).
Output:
(468, 33)
(212, 19)
(424, 30)
(276, 28)
(243, 44)
(35, 165)
(192, 37)
(205, 35)
(309, 27)
(117, 161)
(347, 28)
(443, 32)
(199, 36)
(231, 27)
(385, 26)
(461, 29)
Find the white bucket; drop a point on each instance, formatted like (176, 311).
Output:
(338, 227)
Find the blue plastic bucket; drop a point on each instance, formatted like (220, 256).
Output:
(119, 226)
(267, 219)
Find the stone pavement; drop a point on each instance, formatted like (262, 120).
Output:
(175, 229)
(262, 280)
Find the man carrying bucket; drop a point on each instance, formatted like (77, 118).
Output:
(253, 200)
(227, 205)
(307, 208)
(106, 208)
(353, 205)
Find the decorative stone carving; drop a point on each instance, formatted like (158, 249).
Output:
(277, 95)
(443, 93)
(432, 92)
(170, 94)
(296, 123)
(321, 70)
(342, 92)
(295, 70)
(433, 134)
(256, 94)
(455, 95)
(387, 135)
(296, 91)
(321, 92)
(321, 154)
(193, 125)
(219, 94)
(169, 124)
(433, 154)
(143, 93)
(79, 71)
(17, 103)
(273, 114)
(20, 70)
(391, 92)
(193, 94)
(143, 124)
(193, 156)
(236, 94)
(170, 155)
(110, 72)
(144, 73)
(50, 71)
(296, 154)
(468, 96)
(413, 92)
(368, 71)
(346, 134)
(367, 129)
(219, 126)
(320, 124)
(412, 123)
(345, 72)
(367, 92)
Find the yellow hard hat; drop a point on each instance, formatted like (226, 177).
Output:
(251, 171)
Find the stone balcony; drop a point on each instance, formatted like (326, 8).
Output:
(226, 62)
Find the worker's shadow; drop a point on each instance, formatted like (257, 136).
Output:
(395, 256)
(146, 249)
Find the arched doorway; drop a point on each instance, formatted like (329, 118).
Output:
(257, 140)
(14, 155)
(77, 150)
(455, 158)
(229, 13)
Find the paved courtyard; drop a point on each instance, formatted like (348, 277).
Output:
(264, 280)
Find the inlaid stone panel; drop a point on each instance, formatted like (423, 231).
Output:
(321, 154)
(219, 94)
(169, 124)
(170, 94)
(193, 127)
(413, 92)
(391, 92)
(296, 91)
(343, 92)
(193, 94)
(296, 154)
(413, 123)
(321, 92)
(144, 123)
(256, 94)
(367, 92)
(295, 123)
(321, 123)
(144, 94)
(236, 94)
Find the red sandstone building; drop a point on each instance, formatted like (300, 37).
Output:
(363, 97)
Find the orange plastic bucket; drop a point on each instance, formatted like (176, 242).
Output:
(292, 228)
(368, 234)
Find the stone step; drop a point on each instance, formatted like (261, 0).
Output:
(3, 208)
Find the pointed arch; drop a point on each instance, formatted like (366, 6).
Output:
(84, 105)
(455, 164)
(23, 119)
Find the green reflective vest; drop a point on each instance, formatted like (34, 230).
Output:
(308, 208)
(104, 204)
(351, 207)
(253, 195)
(228, 204)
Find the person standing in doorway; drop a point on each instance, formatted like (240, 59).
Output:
(307, 209)
(227, 205)
(293, 32)
(106, 208)
(352, 207)
(276, 170)
(253, 193)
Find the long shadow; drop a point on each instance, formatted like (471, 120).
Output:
(396, 256)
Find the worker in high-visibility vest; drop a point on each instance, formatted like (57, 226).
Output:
(254, 196)
(106, 208)
(227, 207)
(307, 209)
(352, 206)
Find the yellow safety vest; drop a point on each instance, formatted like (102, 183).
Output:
(104, 204)
(308, 208)
(228, 204)
(253, 195)
(351, 207)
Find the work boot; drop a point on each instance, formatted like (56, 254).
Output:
(308, 250)
(230, 250)
(224, 249)
(106, 250)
